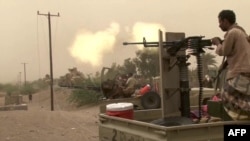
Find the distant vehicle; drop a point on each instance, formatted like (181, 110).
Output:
(152, 98)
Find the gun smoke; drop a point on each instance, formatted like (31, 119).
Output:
(95, 47)
(90, 47)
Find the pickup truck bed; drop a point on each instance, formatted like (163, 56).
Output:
(141, 129)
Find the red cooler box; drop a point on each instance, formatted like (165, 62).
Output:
(123, 110)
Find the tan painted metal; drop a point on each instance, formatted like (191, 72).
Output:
(113, 128)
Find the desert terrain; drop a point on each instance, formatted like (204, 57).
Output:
(66, 123)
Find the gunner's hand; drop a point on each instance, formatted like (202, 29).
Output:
(216, 41)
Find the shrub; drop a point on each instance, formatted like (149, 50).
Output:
(10, 89)
(83, 96)
(28, 89)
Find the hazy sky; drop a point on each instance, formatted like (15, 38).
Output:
(89, 33)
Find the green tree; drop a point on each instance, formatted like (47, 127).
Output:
(113, 71)
(208, 67)
(128, 66)
(10, 89)
(209, 63)
(1, 86)
(28, 88)
(147, 62)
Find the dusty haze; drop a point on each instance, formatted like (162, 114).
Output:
(89, 34)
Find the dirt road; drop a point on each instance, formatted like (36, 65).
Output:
(39, 123)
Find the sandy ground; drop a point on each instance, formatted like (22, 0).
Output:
(39, 123)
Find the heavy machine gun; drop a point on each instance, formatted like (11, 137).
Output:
(196, 43)
(196, 46)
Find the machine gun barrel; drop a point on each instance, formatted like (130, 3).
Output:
(148, 44)
(144, 43)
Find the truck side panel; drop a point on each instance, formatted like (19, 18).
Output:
(120, 129)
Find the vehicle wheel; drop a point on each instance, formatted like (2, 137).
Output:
(151, 100)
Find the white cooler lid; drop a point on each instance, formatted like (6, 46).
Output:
(119, 106)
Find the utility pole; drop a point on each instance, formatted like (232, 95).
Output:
(24, 67)
(24, 73)
(20, 79)
(51, 62)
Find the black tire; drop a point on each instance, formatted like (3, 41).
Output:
(151, 100)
